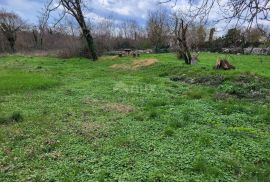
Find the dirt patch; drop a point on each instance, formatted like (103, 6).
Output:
(245, 86)
(121, 66)
(222, 96)
(211, 80)
(251, 78)
(138, 64)
(92, 131)
(248, 86)
(110, 107)
(121, 108)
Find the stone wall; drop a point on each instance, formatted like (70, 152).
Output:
(257, 51)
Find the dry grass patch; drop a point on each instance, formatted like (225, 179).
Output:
(117, 107)
(144, 63)
(110, 58)
(137, 64)
(121, 66)
(92, 131)
(110, 107)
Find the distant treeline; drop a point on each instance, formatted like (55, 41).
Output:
(66, 40)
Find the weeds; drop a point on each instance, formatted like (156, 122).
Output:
(15, 117)
(178, 124)
(169, 132)
(206, 126)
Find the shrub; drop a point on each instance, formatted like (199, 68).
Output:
(200, 164)
(266, 117)
(199, 93)
(153, 114)
(169, 132)
(3, 120)
(194, 95)
(186, 115)
(178, 124)
(16, 117)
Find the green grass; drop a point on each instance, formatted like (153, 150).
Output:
(77, 120)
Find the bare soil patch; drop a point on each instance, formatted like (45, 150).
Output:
(245, 86)
(121, 108)
(110, 107)
(210, 80)
(120, 66)
(251, 87)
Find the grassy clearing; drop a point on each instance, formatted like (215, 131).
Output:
(75, 120)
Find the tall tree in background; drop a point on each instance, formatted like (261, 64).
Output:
(254, 36)
(75, 9)
(42, 27)
(183, 21)
(201, 33)
(10, 24)
(233, 38)
(158, 28)
(211, 34)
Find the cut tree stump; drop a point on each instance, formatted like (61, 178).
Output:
(223, 64)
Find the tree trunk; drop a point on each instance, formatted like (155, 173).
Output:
(74, 7)
(35, 36)
(12, 46)
(86, 32)
(184, 51)
(12, 41)
(90, 43)
(180, 32)
(187, 54)
(41, 42)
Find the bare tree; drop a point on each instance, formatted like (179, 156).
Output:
(249, 12)
(35, 35)
(180, 32)
(75, 9)
(42, 27)
(183, 21)
(10, 24)
(201, 35)
(104, 33)
(158, 28)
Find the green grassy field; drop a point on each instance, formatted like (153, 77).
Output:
(77, 120)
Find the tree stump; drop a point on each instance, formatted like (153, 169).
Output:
(223, 64)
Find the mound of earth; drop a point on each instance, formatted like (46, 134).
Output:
(245, 86)
(248, 86)
(138, 64)
(223, 64)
